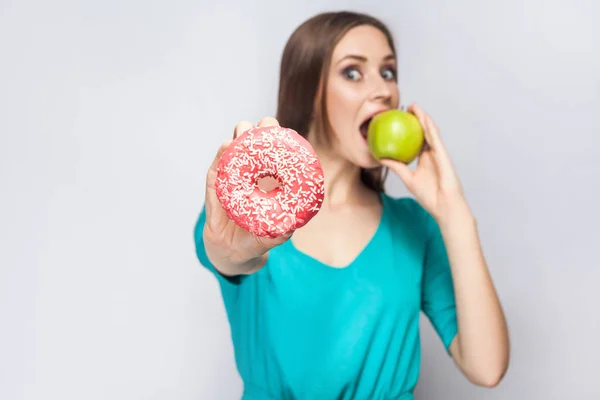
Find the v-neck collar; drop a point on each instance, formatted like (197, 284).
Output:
(363, 253)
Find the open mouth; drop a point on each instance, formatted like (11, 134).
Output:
(364, 128)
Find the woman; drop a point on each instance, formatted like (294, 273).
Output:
(332, 312)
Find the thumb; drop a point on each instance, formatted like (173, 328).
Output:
(267, 243)
(401, 169)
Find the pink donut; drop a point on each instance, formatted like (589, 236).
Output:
(284, 155)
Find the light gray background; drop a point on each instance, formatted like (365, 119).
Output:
(110, 113)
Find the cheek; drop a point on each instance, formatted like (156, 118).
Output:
(343, 102)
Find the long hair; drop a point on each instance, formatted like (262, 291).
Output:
(303, 77)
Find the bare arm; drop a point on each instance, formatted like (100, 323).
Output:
(481, 348)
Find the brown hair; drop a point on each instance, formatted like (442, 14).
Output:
(303, 77)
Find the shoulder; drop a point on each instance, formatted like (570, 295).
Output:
(406, 208)
(403, 205)
(407, 211)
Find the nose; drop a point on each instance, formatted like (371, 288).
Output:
(381, 90)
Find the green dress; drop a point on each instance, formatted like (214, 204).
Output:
(304, 330)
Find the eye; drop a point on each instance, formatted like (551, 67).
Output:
(389, 73)
(352, 73)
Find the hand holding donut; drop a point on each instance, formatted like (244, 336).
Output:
(434, 183)
(242, 222)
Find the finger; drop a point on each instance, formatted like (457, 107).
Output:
(422, 117)
(401, 169)
(424, 156)
(432, 135)
(241, 128)
(440, 153)
(433, 129)
(215, 161)
(254, 245)
(268, 121)
(211, 200)
(267, 243)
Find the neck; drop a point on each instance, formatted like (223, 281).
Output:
(342, 179)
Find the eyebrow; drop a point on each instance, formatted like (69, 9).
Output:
(363, 58)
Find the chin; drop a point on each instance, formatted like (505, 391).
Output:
(367, 161)
(363, 157)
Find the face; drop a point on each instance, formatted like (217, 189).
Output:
(362, 81)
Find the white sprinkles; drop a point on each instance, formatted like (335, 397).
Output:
(270, 151)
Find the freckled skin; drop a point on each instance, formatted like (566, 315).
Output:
(270, 151)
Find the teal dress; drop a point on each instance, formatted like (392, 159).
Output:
(305, 330)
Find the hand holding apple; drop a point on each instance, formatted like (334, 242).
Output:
(434, 182)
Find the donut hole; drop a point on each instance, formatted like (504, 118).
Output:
(267, 184)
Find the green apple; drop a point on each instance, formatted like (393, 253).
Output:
(395, 134)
